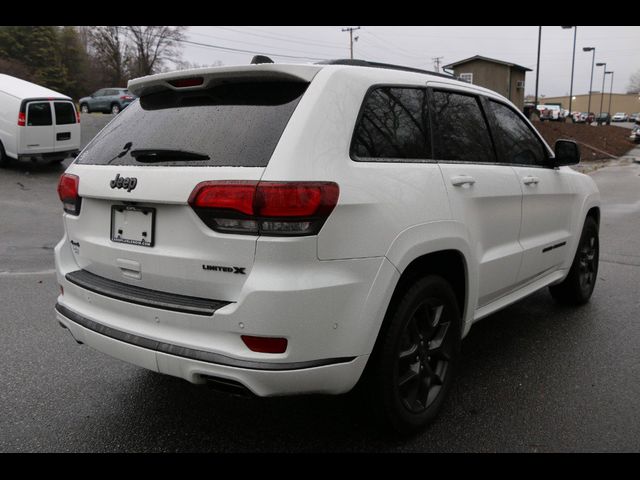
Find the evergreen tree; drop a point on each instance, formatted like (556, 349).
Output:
(44, 57)
(76, 62)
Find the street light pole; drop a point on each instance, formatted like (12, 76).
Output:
(610, 91)
(538, 68)
(593, 61)
(573, 64)
(604, 75)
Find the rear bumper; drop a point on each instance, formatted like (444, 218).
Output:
(329, 312)
(47, 157)
(330, 376)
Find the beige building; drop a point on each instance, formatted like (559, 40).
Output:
(508, 79)
(620, 102)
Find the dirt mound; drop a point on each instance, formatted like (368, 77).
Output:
(596, 143)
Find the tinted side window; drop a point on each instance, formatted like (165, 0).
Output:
(39, 114)
(518, 143)
(460, 130)
(65, 113)
(394, 125)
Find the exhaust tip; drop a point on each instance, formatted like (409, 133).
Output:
(225, 385)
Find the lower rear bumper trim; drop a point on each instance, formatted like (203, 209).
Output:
(191, 353)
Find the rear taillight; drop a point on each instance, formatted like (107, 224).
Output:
(77, 116)
(68, 193)
(265, 208)
(22, 119)
(126, 97)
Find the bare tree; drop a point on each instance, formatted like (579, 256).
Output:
(634, 83)
(153, 46)
(109, 47)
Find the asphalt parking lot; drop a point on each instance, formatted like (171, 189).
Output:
(536, 377)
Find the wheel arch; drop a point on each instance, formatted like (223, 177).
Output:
(594, 212)
(447, 253)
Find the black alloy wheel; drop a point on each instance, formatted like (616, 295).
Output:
(578, 287)
(588, 263)
(413, 365)
(424, 355)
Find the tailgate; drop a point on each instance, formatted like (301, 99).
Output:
(180, 254)
(136, 176)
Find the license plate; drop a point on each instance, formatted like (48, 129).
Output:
(133, 225)
(63, 136)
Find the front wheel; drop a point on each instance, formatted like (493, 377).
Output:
(414, 364)
(578, 287)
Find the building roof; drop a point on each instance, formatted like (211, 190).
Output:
(486, 59)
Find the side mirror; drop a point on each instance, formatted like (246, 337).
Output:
(567, 153)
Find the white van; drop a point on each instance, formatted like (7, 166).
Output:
(36, 123)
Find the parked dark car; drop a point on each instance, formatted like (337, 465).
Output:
(603, 118)
(107, 100)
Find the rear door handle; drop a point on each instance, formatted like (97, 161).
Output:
(461, 180)
(531, 180)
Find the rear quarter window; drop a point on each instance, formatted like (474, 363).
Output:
(393, 126)
(236, 125)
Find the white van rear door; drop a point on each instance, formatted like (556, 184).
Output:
(67, 126)
(38, 134)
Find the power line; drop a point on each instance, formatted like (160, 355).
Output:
(284, 38)
(247, 43)
(396, 50)
(253, 52)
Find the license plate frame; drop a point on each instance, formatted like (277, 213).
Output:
(140, 222)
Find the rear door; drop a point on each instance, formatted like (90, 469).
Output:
(97, 101)
(549, 196)
(67, 127)
(484, 195)
(38, 133)
(136, 226)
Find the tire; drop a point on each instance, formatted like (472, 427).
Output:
(84, 108)
(4, 159)
(115, 109)
(578, 287)
(415, 360)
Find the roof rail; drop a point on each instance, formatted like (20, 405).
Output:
(365, 63)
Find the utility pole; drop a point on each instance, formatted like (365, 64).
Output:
(538, 67)
(436, 63)
(351, 30)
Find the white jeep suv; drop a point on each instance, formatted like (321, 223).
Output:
(295, 229)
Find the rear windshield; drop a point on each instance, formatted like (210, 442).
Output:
(236, 125)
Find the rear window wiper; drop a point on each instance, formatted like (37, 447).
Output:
(156, 155)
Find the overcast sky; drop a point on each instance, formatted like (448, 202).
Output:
(416, 46)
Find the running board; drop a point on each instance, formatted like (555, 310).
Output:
(519, 294)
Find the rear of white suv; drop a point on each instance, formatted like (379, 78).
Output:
(271, 227)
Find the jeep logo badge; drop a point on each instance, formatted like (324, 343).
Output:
(128, 183)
